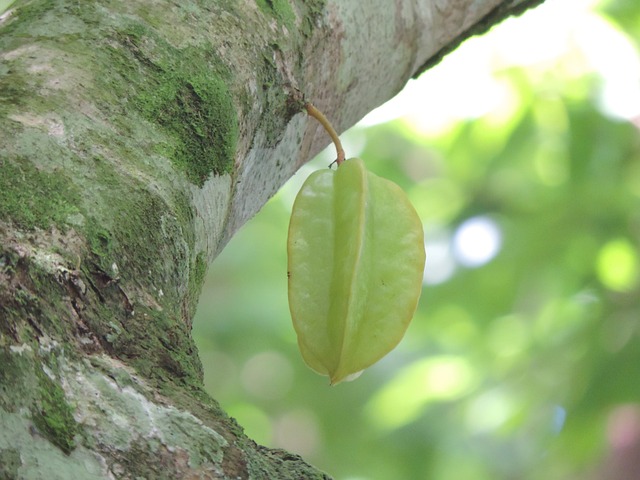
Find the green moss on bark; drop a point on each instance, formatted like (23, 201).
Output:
(117, 239)
(13, 89)
(184, 91)
(34, 198)
(196, 279)
(153, 338)
(313, 11)
(25, 383)
(45, 18)
(199, 114)
(159, 346)
(280, 9)
(14, 379)
(31, 291)
(52, 415)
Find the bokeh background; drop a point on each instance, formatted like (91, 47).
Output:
(521, 153)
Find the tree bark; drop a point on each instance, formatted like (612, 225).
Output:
(137, 137)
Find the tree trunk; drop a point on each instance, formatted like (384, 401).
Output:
(137, 137)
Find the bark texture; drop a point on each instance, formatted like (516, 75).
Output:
(136, 138)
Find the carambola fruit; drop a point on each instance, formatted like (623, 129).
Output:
(355, 264)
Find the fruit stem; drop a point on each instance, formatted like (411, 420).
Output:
(317, 114)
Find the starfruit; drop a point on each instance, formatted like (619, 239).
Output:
(355, 265)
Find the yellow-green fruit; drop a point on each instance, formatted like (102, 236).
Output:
(356, 259)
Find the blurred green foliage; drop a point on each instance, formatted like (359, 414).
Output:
(513, 368)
